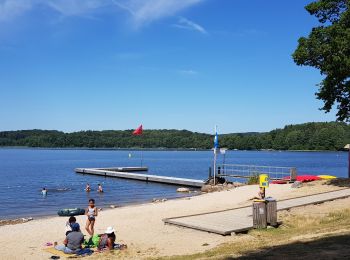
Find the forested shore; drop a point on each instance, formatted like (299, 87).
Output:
(309, 136)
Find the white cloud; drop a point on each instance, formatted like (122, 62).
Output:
(188, 72)
(12, 8)
(141, 11)
(74, 7)
(144, 12)
(184, 23)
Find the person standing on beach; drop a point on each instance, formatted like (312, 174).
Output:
(91, 213)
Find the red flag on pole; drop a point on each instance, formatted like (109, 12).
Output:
(138, 131)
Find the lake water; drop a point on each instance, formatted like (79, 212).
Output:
(24, 172)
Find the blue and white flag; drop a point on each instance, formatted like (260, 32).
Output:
(216, 141)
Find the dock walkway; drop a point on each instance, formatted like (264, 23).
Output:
(240, 219)
(127, 173)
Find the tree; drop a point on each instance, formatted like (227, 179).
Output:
(327, 48)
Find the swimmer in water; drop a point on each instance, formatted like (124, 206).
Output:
(44, 191)
(87, 189)
(99, 188)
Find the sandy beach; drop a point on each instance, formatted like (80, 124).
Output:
(141, 226)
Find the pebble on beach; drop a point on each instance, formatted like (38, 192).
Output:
(15, 221)
(154, 200)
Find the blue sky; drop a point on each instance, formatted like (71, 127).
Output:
(169, 64)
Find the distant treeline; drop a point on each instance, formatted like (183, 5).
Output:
(309, 136)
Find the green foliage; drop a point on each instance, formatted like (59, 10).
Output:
(327, 48)
(309, 136)
(254, 179)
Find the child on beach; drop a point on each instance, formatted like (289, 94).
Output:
(91, 213)
(69, 223)
(261, 193)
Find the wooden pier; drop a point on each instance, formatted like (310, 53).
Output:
(238, 220)
(133, 173)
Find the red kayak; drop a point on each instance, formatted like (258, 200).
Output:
(306, 178)
(280, 182)
(301, 178)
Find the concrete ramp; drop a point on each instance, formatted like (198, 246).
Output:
(240, 219)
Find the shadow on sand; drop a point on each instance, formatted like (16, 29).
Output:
(340, 182)
(334, 247)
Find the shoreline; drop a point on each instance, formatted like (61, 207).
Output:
(159, 149)
(141, 226)
(104, 208)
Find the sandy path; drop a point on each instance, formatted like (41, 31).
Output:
(141, 226)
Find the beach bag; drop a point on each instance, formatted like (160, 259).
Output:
(95, 240)
(92, 241)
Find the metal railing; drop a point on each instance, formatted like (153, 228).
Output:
(249, 171)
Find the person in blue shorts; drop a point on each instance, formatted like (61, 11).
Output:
(74, 240)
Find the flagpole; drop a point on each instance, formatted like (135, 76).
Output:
(138, 131)
(214, 166)
(141, 156)
(215, 158)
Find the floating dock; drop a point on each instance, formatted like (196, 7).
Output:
(132, 173)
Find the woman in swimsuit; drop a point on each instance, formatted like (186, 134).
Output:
(107, 240)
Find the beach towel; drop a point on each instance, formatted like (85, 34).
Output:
(54, 251)
(82, 252)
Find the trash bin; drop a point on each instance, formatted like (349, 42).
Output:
(259, 214)
(271, 210)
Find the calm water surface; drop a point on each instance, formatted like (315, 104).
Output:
(24, 172)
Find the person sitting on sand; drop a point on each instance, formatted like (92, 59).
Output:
(107, 240)
(74, 240)
(44, 191)
(99, 189)
(69, 224)
(91, 213)
(87, 188)
(261, 193)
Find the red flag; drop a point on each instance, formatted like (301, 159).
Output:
(138, 131)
